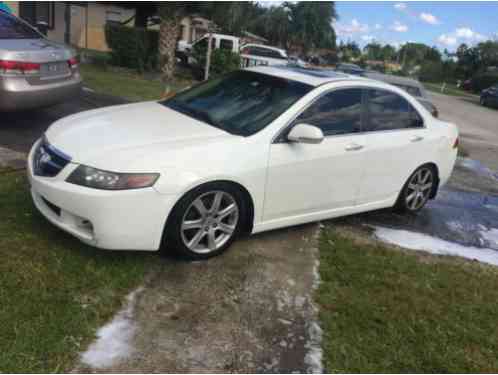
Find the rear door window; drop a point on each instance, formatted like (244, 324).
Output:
(12, 28)
(387, 110)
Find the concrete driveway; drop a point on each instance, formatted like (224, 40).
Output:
(478, 125)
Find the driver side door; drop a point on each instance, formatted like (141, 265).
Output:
(305, 180)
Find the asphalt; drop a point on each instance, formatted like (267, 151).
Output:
(478, 125)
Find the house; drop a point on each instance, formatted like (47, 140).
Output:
(88, 20)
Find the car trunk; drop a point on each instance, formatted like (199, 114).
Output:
(52, 57)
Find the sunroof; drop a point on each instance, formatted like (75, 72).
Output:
(320, 73)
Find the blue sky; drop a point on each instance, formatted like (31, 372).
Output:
(441, 24)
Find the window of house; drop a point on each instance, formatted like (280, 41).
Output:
(338, 112)
(389, 111)
(34, 12)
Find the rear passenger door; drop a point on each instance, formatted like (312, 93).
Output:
(397, 142)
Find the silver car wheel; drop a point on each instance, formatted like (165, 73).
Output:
(209, 222)
(419, 189)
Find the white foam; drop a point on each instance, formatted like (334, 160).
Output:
(490, 236)
(113, 339)
(419, 241)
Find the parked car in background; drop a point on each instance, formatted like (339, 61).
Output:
(411, 86)
(227, 42)
(255, 150)
(489, 97)
(34, 72)
(259, 54)
(296, 61)
(350, 69)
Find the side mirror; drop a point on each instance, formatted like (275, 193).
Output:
(304, 133)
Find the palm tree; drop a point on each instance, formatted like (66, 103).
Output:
(171, 14)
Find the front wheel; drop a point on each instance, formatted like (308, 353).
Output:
(417, 190)
(205, 221)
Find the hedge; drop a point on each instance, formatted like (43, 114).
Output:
(132, 47)
(484, 80)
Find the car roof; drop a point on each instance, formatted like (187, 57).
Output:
(310, 76)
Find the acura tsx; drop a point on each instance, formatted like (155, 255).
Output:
(254, 150)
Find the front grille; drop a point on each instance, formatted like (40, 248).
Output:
(48, 161)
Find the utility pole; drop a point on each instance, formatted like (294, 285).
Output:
(67, 19)
(208, 52)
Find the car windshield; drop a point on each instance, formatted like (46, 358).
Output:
(12, 28)
(241, 102)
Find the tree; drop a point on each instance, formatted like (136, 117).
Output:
(171, 14)
(373, 51)
(311, 24)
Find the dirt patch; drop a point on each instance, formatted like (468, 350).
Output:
(249, 310)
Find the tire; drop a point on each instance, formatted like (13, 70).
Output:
(206, 221)
(482, 101)
(417, 190)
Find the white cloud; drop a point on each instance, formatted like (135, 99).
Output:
(367, 38)
(467, 33)
(462, 34)
(378, 26)
(429, 18)
(447, 40)
(348, 29)
(400, 6)
(399, 27)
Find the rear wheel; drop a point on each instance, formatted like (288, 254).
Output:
(417, 190)
(206, 221)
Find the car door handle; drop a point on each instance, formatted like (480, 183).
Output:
(416, 138)
(354, 147)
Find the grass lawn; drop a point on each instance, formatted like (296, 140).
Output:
(449, 89)
(123, 83)
(389, 311)
(54, 291)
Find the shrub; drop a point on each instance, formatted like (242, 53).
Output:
(484, 80)
(431, 72)
(132, 47)
(222, 61)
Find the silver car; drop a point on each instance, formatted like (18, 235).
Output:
(34, 72)
(411, 86)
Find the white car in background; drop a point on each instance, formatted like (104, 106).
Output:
(258, 149)
(259, 54)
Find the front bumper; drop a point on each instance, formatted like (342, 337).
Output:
(17, 94)
(114, 220)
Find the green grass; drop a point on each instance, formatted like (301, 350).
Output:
(123, 83)
(389, 311)
(54, 291)
(450, 89)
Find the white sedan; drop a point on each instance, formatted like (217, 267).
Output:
(255, 150)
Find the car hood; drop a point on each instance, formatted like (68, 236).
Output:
(130, 137)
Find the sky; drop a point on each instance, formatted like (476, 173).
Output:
(440, 24)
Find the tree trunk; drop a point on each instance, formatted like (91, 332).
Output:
(168, 34)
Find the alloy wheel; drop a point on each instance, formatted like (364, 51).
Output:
(209, 222)
(419, 189)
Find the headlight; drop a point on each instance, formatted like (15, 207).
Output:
(98, 179)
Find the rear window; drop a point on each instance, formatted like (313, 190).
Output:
(12, 28)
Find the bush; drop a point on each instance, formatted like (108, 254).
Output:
(431, 72)
(484, 80)
(95, 57)
(131, 47)
(222, 61)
